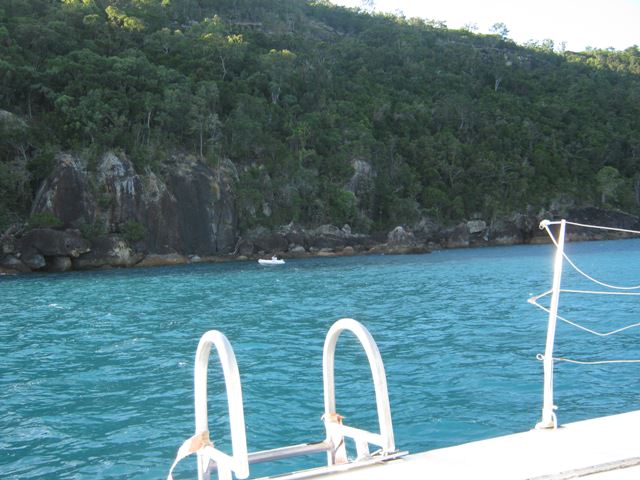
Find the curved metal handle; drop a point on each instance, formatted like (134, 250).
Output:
(239, 462)
(385, 440)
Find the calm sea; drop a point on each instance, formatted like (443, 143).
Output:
(96, 368)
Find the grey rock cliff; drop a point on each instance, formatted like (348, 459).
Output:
(66, 193)
(189, 210)
(119, 190)
(49, 242)
(205, 207)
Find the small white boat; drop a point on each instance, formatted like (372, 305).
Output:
(272, 261)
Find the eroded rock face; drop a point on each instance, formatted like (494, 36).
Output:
(476, 226)
(505, 233)
(332, 237)
(607, 218)
(514, 230)
(205, 207)
(49, 242)
(456, 237)
(10, 264)
(119, 191)
(109, 251)
(59, 264)
(66, 193)
(159, 215)
(225, 213)
(294, 240)
(400, 237)
(297, 237)
(157, 260)
(260, 239)
(7, 244)
(190, 210)
(362, 185)
(34, 260)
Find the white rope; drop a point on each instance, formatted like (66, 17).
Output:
(596, 362)
(588, 277)
(597, 292)
(533, 301)
(600, 227)
(588, 292)
(578, 269)
(586, 362)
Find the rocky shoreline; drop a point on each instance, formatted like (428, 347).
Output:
(103, 213)
(24, 250)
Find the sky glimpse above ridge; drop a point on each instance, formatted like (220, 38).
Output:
(580, 24)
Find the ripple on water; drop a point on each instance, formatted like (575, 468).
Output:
(96, 377)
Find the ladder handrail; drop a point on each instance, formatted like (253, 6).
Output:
(210, 459)
(335, 429)
(238, 462)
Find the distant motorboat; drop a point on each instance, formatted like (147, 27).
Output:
(272, 261)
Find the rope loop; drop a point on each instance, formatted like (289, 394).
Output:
(545, 226)
(617, 290)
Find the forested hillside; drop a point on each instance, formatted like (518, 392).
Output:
(329, 115)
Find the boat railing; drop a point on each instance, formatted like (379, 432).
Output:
(210, 459)
(549, 418)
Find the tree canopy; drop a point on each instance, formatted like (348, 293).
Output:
(453, 124)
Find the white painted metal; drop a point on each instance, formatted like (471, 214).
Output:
(605, 448)
(237, 463)
(288, 452)
(549, 419)
(335, 430)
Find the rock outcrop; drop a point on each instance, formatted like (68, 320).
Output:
(12, 264)
(41, 249)
(189, 210)
(362, 185)
(119, 192)
(294, 240)
(50, 243)
(115, 216)
(66, 193)
(108, 251)
(125, 215)
(596, 216)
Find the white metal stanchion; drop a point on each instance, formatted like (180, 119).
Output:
(549, 419)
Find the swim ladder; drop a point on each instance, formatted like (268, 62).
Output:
(210, 459)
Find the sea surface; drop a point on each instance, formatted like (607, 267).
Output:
(96, 369)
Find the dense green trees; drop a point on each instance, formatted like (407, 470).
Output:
(452, 123)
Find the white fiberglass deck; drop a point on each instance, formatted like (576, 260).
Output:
(604, 448)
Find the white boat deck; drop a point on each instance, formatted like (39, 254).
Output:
(606, 448)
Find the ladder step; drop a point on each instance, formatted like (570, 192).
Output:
(283, 452)
(290, 451)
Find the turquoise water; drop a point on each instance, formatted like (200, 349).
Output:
(96, 368)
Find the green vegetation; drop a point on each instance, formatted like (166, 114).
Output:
(91, 231)
(453, 124)
(44, 220)
(133, 231)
